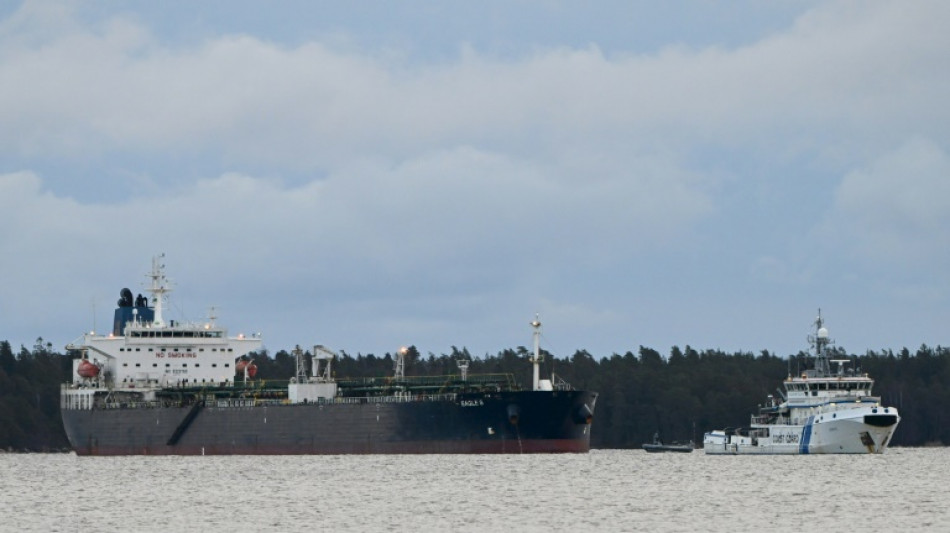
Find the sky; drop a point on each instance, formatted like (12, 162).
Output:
(370, 175)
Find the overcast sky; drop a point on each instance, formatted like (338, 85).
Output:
(368, 175)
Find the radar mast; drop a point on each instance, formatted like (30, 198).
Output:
(158, 288)
(536, 359)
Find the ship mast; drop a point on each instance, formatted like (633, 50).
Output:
(536, 360)
(158, 289)
(399, 365)
(821, 341)
(301, 359)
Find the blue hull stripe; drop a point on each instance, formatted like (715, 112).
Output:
(806, 436)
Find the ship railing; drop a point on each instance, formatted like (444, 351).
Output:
(502, 380)
(766, 419)
(559, 384)
(102, 403)
(401, 398)
(780, 420)
(99, 404)
(336, 400)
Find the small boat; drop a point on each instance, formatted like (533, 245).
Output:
(657, 446)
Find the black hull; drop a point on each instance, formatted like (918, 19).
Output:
(498, 422)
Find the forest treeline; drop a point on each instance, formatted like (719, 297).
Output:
(680, 395)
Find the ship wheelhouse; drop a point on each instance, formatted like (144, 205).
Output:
(145, 351)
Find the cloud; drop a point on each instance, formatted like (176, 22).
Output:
(422, 194)
(445, 228)
(896, 209)
(116, 86)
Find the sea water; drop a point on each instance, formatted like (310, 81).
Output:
(605, 490)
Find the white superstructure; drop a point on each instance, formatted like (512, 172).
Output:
(143, 352)
(825, 410)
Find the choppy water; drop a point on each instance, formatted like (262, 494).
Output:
(606, 490)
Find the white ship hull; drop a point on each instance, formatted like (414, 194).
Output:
(823, 411)
(861, 430)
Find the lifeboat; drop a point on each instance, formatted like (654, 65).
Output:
(248, 367)
(87, 369)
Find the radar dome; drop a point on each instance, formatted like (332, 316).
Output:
(822, 333)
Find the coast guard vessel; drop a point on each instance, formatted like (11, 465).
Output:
(823, 411)
(152, 386)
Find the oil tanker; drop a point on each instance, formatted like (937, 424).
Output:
(151, 387)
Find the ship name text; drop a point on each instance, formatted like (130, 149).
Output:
(790, 438)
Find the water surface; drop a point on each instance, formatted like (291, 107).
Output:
(606, 490)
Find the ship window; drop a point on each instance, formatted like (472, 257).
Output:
(138, 364)
(125, 364)
(184, 365)
(197, 365)
(201, 349)
(149, 349)
(167, 365)
(226, 365)
(121, 349)
(138, 349)
(154, 365)
(214, 365)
